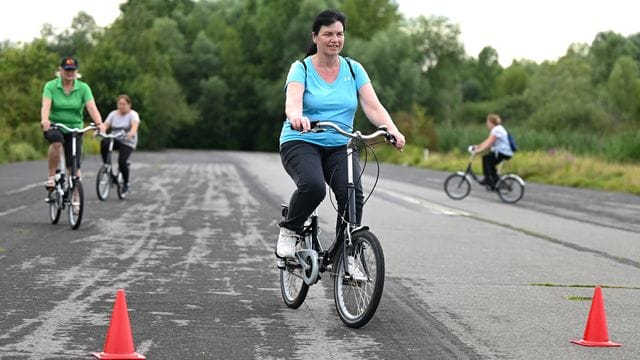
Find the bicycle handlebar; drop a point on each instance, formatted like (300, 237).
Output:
(91, 126)
(120, 134)
(382, 131)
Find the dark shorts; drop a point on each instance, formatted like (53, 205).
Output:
(57, 136)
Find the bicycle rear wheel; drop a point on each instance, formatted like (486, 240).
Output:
(76, 204)
(292, 286)
(55, 202)
(103, 183)
(457, 186)
(509, 189)
(357, 300)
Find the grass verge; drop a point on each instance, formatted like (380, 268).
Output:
(548, 167)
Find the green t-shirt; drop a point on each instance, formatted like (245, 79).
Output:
(67, 109)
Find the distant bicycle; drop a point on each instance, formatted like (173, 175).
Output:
(106, 177)
(510, 187)
(356, 293)
(68, 193)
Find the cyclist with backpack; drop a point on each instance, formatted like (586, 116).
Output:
(501, 149)
(323, 86)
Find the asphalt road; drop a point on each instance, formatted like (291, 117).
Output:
(193, 249)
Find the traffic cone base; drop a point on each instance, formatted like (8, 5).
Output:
(596, 343)
(596, 333)
(119, 342)
(105, 356)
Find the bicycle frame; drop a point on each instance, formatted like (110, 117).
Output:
(344, 234)
(356, 293)
(74, 135)
(469, 170)
(66, 189)
(120, 134)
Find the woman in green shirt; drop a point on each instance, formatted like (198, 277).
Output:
(63, 101)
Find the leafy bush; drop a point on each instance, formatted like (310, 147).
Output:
(22, 151)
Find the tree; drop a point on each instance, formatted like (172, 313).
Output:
(79, 40)
(366, 17)
(624, 86)
(605, 50)
(441, 56)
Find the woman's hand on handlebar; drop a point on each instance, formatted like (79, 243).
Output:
(46, 124)
(301, 123)
(400, 140)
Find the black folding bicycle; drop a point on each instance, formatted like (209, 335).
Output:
(355, 246)
(107, 177)
(67, 192)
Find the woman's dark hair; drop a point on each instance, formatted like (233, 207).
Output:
(125, 97)
(325, 18)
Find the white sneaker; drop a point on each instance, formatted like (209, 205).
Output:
(286, 247)
(355, 270)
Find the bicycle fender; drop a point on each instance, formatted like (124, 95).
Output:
(515, 177)
(359, 228)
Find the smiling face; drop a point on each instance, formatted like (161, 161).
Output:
(330, 39)
(68, 75)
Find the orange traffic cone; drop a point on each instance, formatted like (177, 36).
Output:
(119, 342)
(596, 333)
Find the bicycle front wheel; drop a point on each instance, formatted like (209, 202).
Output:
(55, 202)
(509, 189)
(457, 186)
(292, 286)
(357, 299)
(103, 183)
(76, 204)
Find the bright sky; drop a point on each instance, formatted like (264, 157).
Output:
(525, 29)
(518, 29)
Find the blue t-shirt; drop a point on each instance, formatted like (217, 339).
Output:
(336, 102)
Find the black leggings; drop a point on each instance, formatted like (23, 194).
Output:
(310, 166)
(124, 151)
(489, 163)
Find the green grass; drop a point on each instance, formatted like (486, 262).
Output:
(548, 167)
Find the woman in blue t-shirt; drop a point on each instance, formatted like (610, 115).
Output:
(323, 88)
(498, 141)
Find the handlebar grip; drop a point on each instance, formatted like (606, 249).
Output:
(391, 139)
(313, 124)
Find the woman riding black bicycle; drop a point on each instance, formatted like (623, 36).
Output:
(324, 85)
(128, 120)
(498, 142)
(63, 102)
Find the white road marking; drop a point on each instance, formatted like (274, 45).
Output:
(429, 205)
(24, 188)
(11, 211)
